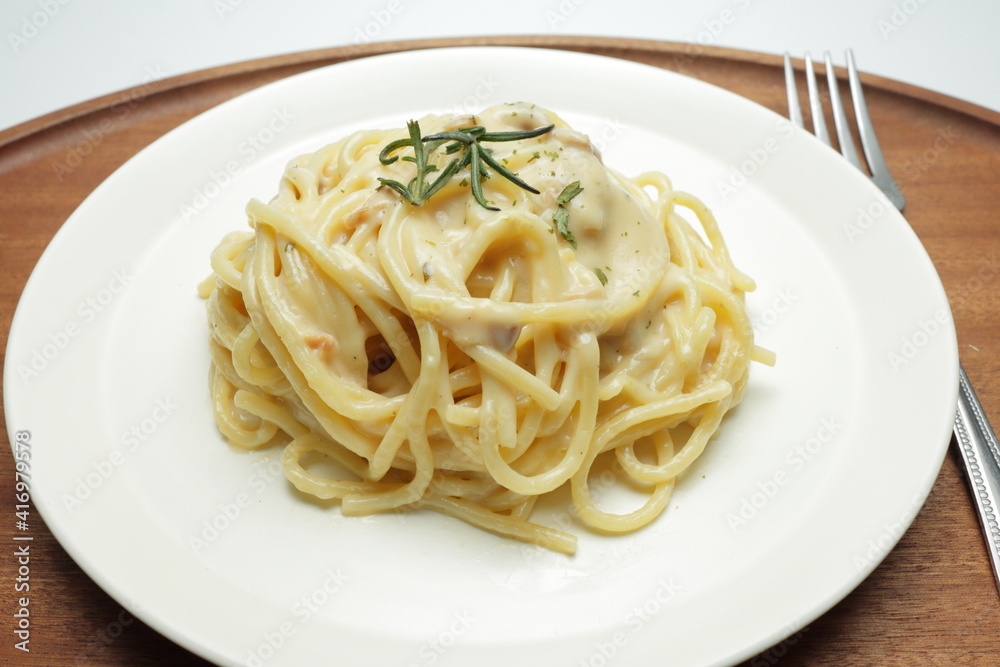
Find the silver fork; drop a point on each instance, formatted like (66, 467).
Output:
(975, 438)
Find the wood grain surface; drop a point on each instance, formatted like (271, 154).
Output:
(932, 601)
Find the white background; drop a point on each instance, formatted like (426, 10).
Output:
(59, 52)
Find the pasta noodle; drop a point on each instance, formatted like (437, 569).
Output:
(469, 361)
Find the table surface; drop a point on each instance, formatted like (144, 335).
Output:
(60, 53)
(932, 600)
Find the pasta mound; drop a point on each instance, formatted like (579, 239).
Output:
(469, 361)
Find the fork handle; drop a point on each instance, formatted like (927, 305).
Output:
(980, 452)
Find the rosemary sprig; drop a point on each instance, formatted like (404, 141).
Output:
(465, 141)
(417, 191)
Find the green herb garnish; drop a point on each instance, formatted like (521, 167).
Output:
(570, 191)
(418, 190)
(600, 276)
(561, 217)
(466, 141)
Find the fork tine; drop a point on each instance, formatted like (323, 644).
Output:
(794, 110)
(816, 103)
(844, 136)
(873, 154)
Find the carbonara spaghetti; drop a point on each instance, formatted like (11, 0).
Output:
(470, 358)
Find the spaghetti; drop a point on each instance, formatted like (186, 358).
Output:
(467, 360)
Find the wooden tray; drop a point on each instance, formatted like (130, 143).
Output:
(932, 601)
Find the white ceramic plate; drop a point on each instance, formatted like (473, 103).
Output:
(810, 483)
